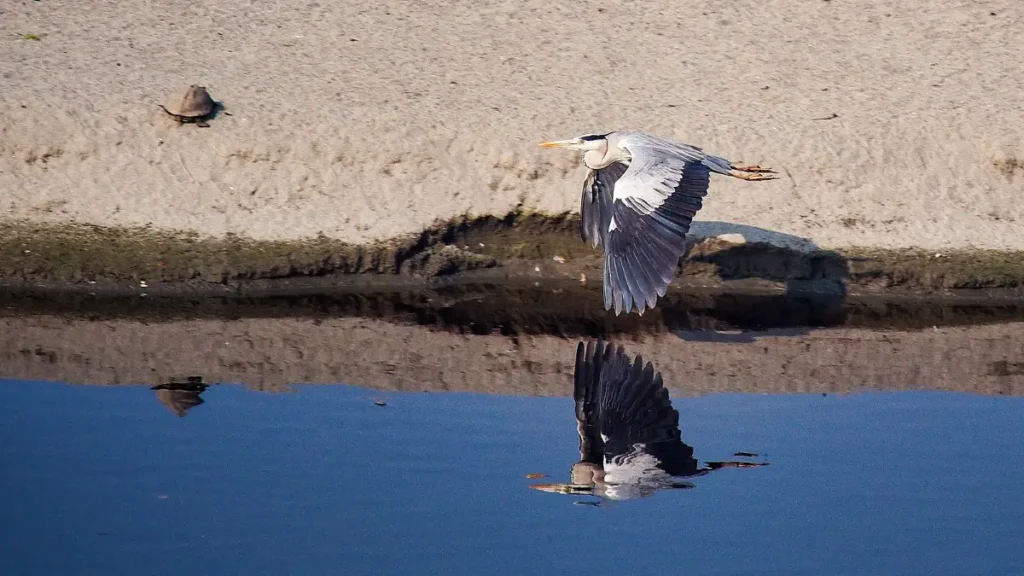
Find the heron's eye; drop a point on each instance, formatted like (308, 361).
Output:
(590, 137)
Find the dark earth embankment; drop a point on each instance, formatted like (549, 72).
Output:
(496, 305)
(534, 248)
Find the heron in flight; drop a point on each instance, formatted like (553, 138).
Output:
(630, 445)
(639, 198)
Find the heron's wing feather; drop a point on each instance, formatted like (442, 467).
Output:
(660, 171)
(590, 359)
(638, 424)
(655, 201)
(641, 144)
(596, 204)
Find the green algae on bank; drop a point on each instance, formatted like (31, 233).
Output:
(967, 269)
(75, 253)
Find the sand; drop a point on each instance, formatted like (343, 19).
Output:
(272, 354)
(367, 121)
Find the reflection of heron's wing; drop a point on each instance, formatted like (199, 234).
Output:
(638, 424)
(586, 382)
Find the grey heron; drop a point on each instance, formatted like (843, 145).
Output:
(629, 440)
(640, 195)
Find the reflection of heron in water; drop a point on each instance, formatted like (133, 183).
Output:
(630, 444)
(180, 397)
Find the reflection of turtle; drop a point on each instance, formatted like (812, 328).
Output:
(192, 104)
(181, 396)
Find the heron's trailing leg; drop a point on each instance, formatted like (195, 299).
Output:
(751, 168)
(751, 172)
(761, 174)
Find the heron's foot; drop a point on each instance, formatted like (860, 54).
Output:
(752, 176)
(751, 168)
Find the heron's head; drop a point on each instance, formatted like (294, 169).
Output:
(593, 147)
(573, 489)
(584, 143)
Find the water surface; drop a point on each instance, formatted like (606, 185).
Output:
(323, 481)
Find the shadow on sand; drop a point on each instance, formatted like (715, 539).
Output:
(814, 279)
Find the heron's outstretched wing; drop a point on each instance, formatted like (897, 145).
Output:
(625, 419)
(654, 202)
(596, 205)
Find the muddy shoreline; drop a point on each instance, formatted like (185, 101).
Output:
(275, 353)
(518, 246)
(514, 307)
(496, 305)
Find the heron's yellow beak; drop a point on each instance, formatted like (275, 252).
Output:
(561, 143)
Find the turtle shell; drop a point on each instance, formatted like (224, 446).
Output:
(191, 102)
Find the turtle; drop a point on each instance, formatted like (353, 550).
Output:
(192, 104)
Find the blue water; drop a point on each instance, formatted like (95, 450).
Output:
(106, 480)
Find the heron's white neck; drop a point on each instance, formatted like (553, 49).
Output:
(603, 156)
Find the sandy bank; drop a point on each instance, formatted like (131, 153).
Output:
(271, 353)
(367, 122)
